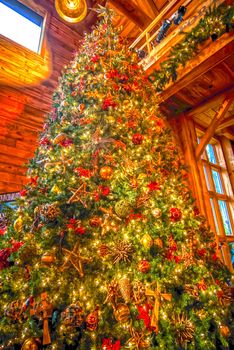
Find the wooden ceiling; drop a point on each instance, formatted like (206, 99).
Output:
(23, 108)
(135, 15)
(201, 97)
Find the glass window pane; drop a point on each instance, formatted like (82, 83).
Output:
(227, 184)
(214, 215)
(211, 154)
(20, 24)
(225, 217)
(217, 181)
(207, 178)
(219, 152)
(231, 247)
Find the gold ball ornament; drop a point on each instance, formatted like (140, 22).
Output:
(157, 213)
(158, 242)
(224, 330)
(122, 208)
(106, 172)
(48, 258)
(147, 241)
(18, 224)
(122, 313)
(31, 344)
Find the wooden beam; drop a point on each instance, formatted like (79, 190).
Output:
(228, 133)
(132, 12)
(203, 106)
(215, 53)
(153, 7)
(226, 123)
(212, 127)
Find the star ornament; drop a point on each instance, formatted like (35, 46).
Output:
(74, 258)
(76, 195)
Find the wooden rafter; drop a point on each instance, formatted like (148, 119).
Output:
(212, 127)
(226, 123)
(132, 12)
(208, 103)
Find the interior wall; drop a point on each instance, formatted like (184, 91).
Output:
(23, 108)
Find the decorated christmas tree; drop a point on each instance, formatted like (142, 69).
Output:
(106, 249)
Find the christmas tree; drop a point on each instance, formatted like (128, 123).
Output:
(106, 249)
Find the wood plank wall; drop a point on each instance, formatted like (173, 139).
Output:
(22, 109)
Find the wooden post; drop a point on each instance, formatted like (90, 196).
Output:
(188, 138)
(147, 42)
(188, 148)
(219, 116)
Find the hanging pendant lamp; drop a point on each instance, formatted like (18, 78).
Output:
(72, 11)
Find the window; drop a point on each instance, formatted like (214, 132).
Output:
(221, 199)
(218, 185)
(21, 24)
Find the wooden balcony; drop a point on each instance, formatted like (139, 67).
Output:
(155, 51)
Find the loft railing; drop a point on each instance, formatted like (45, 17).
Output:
(149, 45)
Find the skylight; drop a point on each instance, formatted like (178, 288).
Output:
(20, 24)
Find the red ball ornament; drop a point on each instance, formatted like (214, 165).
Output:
(175, 214)
(144, 266)
(137, 139)
(95, 221)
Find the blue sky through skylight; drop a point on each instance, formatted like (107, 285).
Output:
(19, 29)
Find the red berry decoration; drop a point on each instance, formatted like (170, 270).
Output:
(176, 214)
(144, 266)
(137, 139)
